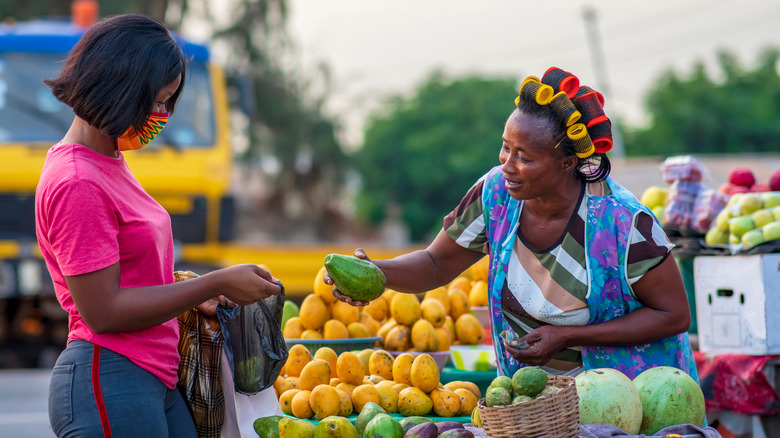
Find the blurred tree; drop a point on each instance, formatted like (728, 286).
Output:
(423, 153)
(287, 120)
(699, 115)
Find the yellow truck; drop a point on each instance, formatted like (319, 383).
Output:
(187, 168)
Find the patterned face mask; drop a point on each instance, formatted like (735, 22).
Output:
(131, 140)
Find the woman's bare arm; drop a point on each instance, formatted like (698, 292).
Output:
(106, 308)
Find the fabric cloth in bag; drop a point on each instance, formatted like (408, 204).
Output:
(200, 348)
(254, 344)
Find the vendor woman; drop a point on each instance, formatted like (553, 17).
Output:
(580, 271)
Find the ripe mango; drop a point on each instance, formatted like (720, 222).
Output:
(354, 277)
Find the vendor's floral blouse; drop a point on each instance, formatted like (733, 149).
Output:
(551, 285)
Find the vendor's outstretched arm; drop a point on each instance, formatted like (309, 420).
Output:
(665, 313)
(427, 269)
(422, 270)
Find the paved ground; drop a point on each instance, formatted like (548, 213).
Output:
(23, 403)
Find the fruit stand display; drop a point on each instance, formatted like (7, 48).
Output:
(380, 371)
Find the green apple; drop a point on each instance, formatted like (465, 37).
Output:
(722, 219)
(752, 238)
(770, 199)
(771, 231)
(715, 236)
(658, 212)
(749, 203)
(654, 196)
(734, 240)
(740, 225)
(776, 213)
(762, 217)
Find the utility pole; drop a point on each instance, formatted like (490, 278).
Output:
(600, 67)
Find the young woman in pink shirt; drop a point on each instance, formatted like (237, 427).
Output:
(109, 247)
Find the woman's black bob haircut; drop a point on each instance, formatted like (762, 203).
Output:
(112, 76)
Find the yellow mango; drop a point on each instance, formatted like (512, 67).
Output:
(325, 401)
(405, 309)
(300, 405)
(297, 358)
(398, 339)
(293, 328)
(439, 294)
(402, 368)
(323, 290)
(349, 368)
(459, 304)
(315, 373)
(363, 394)
(335, 329)
(381, 363)
(285, 400)
(425, 373)
(445, 403)
(433, 311)
(424, 336)
(328, 354)
(346, 313)
(413, 402)
(313, 312)
(469, 330)
(378, 308)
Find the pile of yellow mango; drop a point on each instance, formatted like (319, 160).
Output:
(325, 384)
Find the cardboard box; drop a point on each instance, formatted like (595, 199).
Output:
(738, 303)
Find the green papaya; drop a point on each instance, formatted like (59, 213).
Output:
(267, 427)
(354, 277)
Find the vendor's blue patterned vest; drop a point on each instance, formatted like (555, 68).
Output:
(607, 230)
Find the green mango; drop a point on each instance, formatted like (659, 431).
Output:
(409, 422)
(369, 411)
(289, 310)
(354, 277)
(335, 427)
(267, 427)
(384, 426)
(294, 428)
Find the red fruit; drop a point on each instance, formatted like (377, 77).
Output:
(760, 187)
(774, 181)
(730, 189)
(742, 176)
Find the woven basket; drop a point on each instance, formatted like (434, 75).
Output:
(551, 416)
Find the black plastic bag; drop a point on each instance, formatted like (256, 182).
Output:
(254, 344)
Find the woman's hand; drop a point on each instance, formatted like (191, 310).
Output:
(544, 342)
(359, 253)
(209, 307)
(246, 284)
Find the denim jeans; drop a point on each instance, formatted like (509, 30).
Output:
(137, 404)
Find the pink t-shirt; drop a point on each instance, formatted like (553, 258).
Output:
(90, 213)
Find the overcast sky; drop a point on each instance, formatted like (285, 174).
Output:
(377, 48)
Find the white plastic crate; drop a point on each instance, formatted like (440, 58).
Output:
(738, 303)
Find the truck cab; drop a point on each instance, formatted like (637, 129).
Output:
(187, 168)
